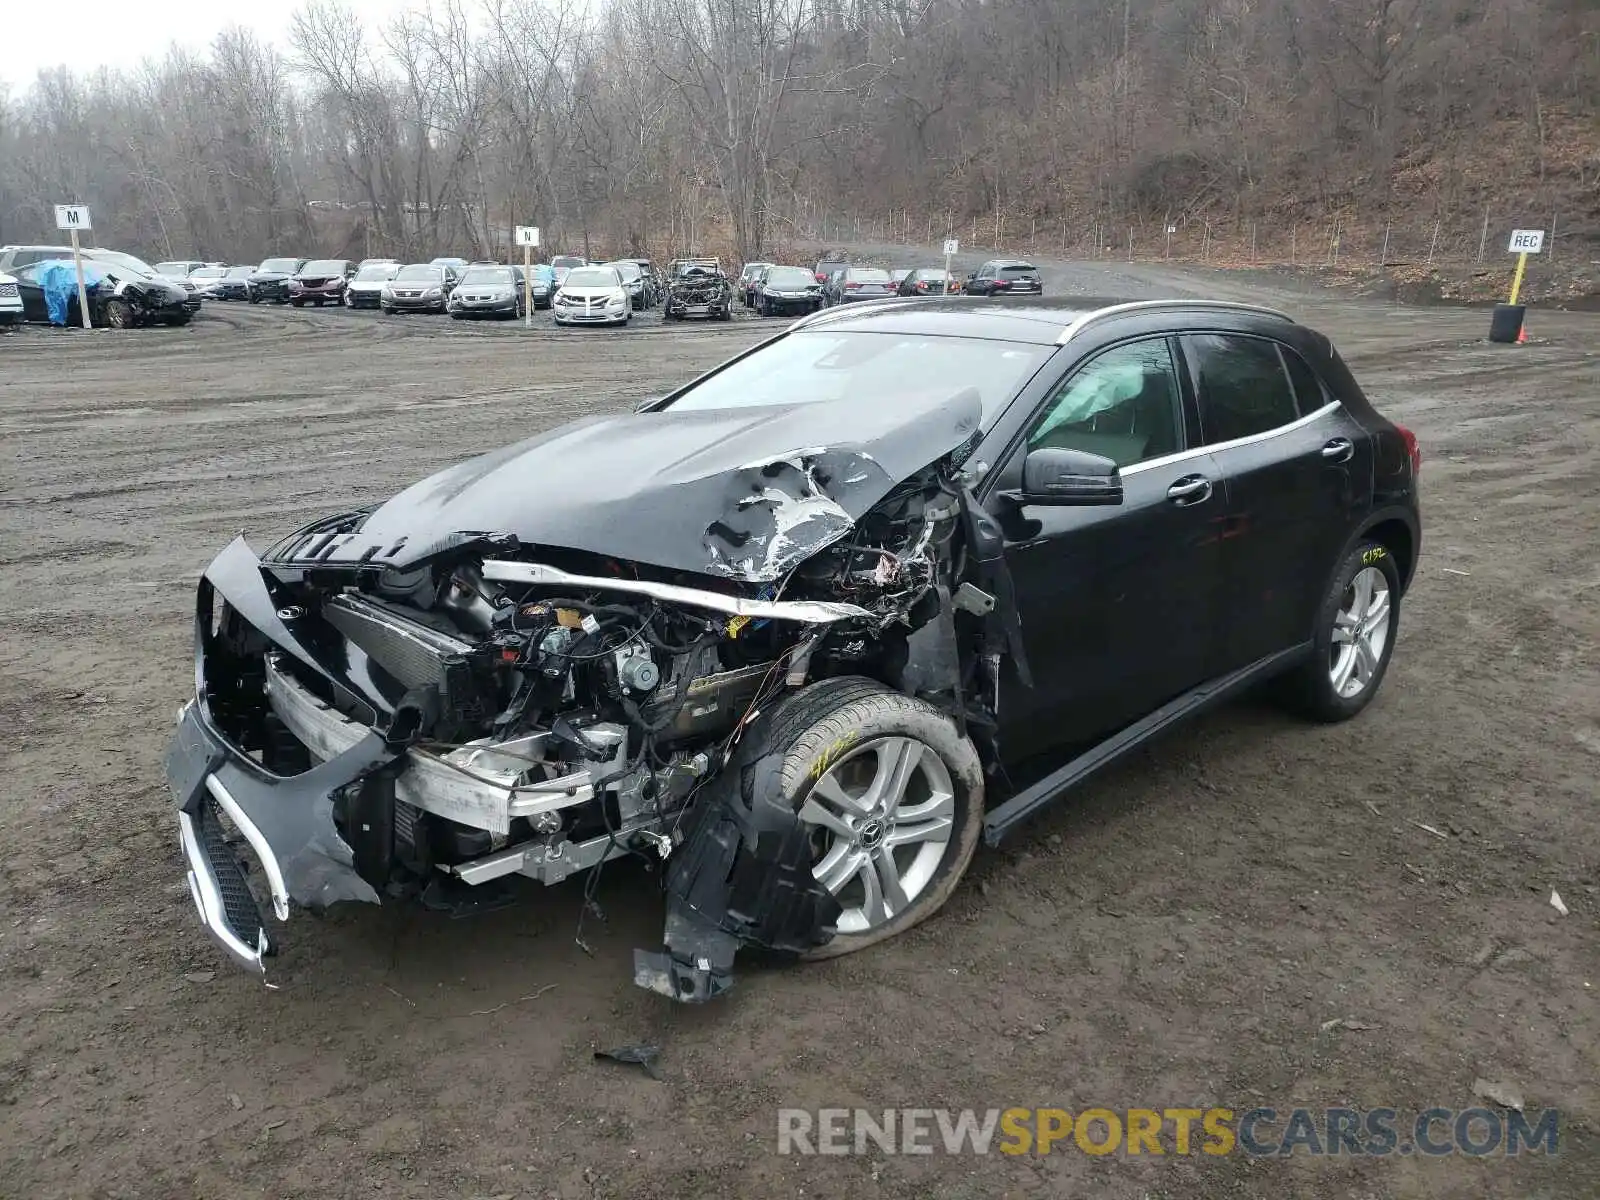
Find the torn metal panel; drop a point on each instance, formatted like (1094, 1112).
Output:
(785, 510)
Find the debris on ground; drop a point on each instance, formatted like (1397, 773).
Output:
(1344, 1023)
(1499, 1093)
(641, 1055)
(1557, 903)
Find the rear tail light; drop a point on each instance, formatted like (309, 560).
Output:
(850, 287)
(1412, 448)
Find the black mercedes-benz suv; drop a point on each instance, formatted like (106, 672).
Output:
(804, 631)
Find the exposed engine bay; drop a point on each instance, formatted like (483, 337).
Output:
(485, 707)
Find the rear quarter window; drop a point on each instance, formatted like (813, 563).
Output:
(1308, 389)
(1244, 387)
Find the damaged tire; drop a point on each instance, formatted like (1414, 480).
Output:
(891, 793)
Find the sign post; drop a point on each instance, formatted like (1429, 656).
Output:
(527, 238)
(73, 217)
(1523, 243)
(1505, 323)
(952, 247)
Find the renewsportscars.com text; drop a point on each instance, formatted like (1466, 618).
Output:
(1258, 1132)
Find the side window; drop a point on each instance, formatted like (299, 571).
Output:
(1122, 404)
(1244, 388)
(1307, 387)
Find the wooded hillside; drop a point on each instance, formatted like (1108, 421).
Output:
(660, 125)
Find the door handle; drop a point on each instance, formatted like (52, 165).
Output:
(1191, 489)
(1339, 450)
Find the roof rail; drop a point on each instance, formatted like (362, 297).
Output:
(1117, 310)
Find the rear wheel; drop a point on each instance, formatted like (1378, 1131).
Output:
(1354, 636)
(891, 795)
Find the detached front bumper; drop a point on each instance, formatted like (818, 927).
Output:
(284, 823)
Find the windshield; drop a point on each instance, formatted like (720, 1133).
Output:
(324, 266)
(172, 268)
(239, 272)
(421, 271)
(628, 270)
(591, 277)
(206, 273)
(1016, 271)
(790, 277)
(482, 276)
(568, 260)
(137, 265)
(822, 364)
(287, 266)
(380, 271)
(867, 275)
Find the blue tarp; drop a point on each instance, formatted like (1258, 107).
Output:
(59, 279)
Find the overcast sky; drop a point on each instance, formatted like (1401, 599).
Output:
(116, 33)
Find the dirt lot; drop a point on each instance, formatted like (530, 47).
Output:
(1176, 936)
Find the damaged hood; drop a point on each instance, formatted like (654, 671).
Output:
(744, 493)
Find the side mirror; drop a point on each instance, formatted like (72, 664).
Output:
(1069, 477)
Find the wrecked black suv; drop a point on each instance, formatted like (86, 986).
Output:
(793, 645)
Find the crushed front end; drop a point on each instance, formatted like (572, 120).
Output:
(394, 717)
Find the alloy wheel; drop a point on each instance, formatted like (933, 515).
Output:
(881, 822)
(1360, 633)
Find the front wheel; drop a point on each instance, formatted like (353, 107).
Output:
(119, 314)
(1354, 636)
(891, 795)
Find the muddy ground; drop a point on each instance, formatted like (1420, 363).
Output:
(1177, 935)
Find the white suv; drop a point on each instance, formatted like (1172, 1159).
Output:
(10, 300)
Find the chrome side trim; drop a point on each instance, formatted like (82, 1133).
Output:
(1133, 306)
(207, 897)
(1182, 455)
(810, 612)
(258, 843)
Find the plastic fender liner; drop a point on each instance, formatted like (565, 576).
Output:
(742, 877)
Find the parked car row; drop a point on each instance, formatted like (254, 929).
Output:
(773, 289)
(577, 290)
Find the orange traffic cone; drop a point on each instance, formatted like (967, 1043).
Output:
(1522, 334)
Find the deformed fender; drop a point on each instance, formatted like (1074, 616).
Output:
(742, 877)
